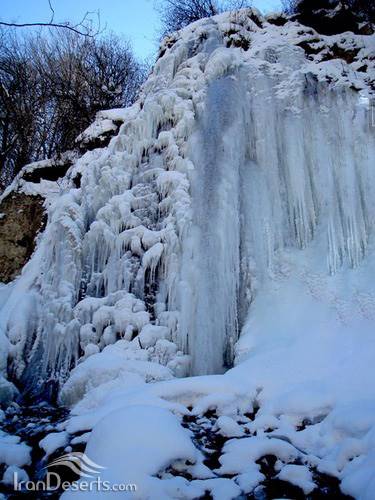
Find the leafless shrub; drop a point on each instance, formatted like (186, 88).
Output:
(176, 14)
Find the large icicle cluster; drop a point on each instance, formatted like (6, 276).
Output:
(109, 254)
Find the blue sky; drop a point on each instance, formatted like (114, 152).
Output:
(135, 19)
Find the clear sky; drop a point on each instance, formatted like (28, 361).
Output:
(136, 19)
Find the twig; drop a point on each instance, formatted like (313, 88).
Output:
(84, 27)
(51, 25)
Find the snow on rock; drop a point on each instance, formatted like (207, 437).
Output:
(53, 442)
(14, 474)
(228, 427)
(13, 451)
(97, 129)
(240, 454)
(106, 124)
(111, 363)
(151, 334)
(358, 479)
(299, 475)
(150, 439)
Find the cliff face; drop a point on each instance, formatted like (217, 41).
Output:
(229, 221)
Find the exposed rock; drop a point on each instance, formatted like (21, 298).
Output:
(50, 172)
(89, 143)
(329, 17)
(366, 29)
(277, 18)
(22, 211)
(101, 131)
(337, 52)
(23, 216)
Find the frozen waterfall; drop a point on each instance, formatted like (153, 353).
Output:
(229, 159)
(268, 178)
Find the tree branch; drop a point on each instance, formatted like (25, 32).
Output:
(84, 27)
(51, 25)
(52, 11)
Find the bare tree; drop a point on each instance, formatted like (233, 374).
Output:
(22, 96)
(51, 88)
(176, 14)
(289, 6)
(86, 75)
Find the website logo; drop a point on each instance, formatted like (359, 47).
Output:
(82, 466)
(79, 463)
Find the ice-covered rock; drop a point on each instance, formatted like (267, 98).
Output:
(151, 334)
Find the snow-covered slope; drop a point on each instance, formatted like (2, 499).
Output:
(236, 202)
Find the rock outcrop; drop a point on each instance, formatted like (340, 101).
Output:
(22, 218)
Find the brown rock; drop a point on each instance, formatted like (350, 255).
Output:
(23, 217)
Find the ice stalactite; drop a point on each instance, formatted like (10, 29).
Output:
(214, 267)
(113, 244)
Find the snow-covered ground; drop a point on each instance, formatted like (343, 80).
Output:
(230, 222)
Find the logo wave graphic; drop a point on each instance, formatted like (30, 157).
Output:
(77, 462)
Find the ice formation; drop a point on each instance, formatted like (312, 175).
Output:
(237, 201)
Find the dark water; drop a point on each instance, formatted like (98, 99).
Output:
(32, 423)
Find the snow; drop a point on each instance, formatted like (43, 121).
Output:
(151, 440)
(45, 188)
(106, 121)
(97, 129)
(151, 334)
(53, 442)
(13, 451)
(229, 222)
(359, 478)
(240, 454)
(228, 427)
(13, 472)
(113, 362)
(298, 475)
